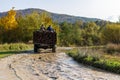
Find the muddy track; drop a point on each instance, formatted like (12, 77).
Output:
(49, 66)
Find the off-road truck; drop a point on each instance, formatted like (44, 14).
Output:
(44, 39)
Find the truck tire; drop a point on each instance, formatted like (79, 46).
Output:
(35, 48)
(54, 49)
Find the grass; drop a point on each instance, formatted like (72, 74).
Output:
(7, 53)
(113, 48)
(96, 58)
(15, 47)
(9, 49)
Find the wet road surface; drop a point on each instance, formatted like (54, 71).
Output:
(49, 66)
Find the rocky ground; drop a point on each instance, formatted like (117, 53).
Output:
(49, 66)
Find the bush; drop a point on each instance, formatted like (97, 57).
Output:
(108, 65)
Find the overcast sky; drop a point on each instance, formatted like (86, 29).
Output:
(103, 9)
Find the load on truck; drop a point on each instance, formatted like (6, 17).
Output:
(44, 39)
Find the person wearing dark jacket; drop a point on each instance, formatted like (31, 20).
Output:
(50, 28)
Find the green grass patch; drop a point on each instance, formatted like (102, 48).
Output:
(15, 47)
(7, 53)
(9, 49)
(97, 59)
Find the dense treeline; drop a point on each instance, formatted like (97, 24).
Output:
(79, 33)
(20, 29)
(90, 33)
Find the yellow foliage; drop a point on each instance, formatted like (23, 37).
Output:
(9, 22)
(47, 20)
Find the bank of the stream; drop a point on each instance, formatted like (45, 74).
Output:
(96, 58)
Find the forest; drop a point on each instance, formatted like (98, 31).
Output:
(16, 29)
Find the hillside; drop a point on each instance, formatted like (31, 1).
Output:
(56, 17)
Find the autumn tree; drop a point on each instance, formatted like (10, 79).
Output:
(32, 22)
(7, 25)
(9, 21)
(111, 33)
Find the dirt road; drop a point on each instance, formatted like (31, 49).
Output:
(49, 66)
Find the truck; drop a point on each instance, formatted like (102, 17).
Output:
(44, 39)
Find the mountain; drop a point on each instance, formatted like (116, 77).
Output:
(56, 17)
(113, 18)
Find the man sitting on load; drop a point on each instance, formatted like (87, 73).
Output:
(50, 28)
(42, 28)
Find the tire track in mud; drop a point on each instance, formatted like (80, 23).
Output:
(10, 66)
(7, 72)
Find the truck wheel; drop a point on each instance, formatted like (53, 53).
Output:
(35, 48)
(54, 49)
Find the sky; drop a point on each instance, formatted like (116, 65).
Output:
(103, 9)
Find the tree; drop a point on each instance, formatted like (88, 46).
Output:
(64, 35)
(70, 34)
(77, 33)
(9, 21)
(111, 34)
(31, 22)
(45, 19)
(7, 25)
(91, 34)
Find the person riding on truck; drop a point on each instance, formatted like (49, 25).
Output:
(42, 28)
(50, 28)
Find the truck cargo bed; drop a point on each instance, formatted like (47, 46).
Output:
(44, 39)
